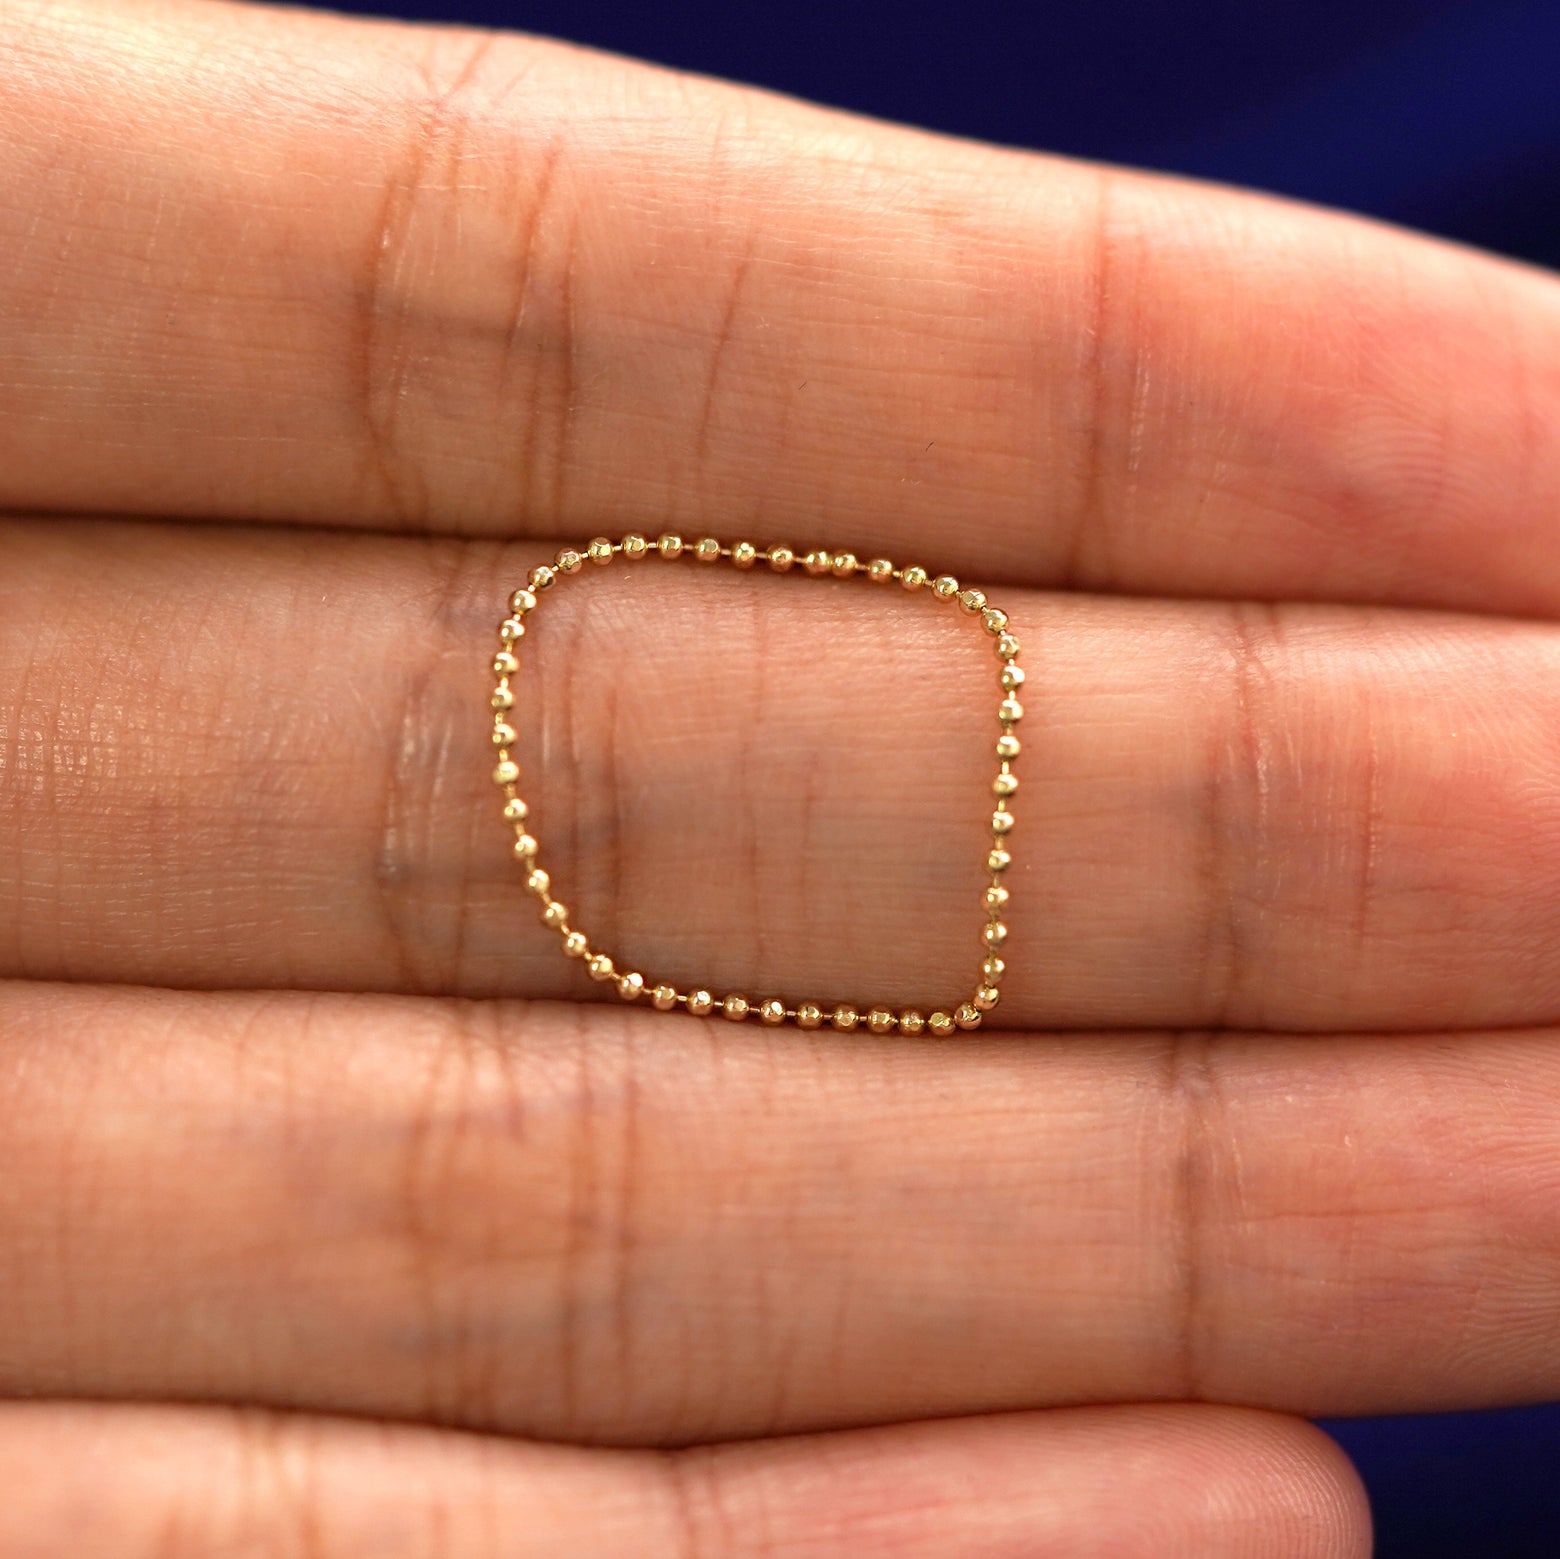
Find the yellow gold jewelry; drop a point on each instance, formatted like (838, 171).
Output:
(733, 1006)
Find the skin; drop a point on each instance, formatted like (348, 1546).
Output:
(342, 1216)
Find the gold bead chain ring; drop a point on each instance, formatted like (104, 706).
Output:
(631, 984)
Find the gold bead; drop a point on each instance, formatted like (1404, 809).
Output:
(599, 551)
(880, 1020)
(998, 861)
(996, 896)
(506, 773)
(967, 1015)
(844, 1018)
(972, 600)
(744, 554)
(669, 546)
(600, 966)
(515, 810)
(911, 1021)
(631, 986)
(945, 587)
(995, 934)
(994, 619)
(539, 882)
(817, 562)
(525, 846)
(502, 698)
(993, 968)
(505, 664)
(809, 1015)
(941, 1024)
(772, 1012)
(511, 629)
(503, 735)
(575, 943)
(635, 546)
(1010, 710)
(1007, 646)
(1011, 677)
(555, 914)
(986, 998)
(663, 998)
(1008, 746)
(735, 1008)
(707, 550)
(569, 561)
(541, 577)
(844, 564)
(1002, 822)
(913, 578)
(700, 1003)
(1004, 785)
(781, 559)
(521, 602)
(880, 570)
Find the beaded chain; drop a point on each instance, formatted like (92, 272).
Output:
(632, 985)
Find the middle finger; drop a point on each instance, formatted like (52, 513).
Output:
(240, 758)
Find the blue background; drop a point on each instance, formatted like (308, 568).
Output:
(1438, 114)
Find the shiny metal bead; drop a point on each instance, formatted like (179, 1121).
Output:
(542, 577)
(502, 699)
(515, 810)
(995, 934)
(972, 600)
(511, 629)
(844, 564)
(817, 562)
(735, 1008)
(911, 1021)
(599, 551)
(521, 602)
(669, 545)
(1011, 677)
(525, 846)
(1009, 711)
(994, 619)
(507, 772)
(503, 735)
(1004, 785)
(880, 1020)
(996, 896)
(941, 1024)
(505, 664)
(599, 966)
(844, 1018)
(998, 861)
(555, 914)
(945, 587)
(744, 554)
(1008, 746)
(700, 1003)
(985, 998)
(967, 1015)
(781, 559)
(809, 1015)
(663, 998)
(707, 549)
(1001, 822)
(993, 968)
(635, 546)
(539, 881)
(569, 561)
(880, 571)
(631, 986)
(912, 578)
(1007, 646)
(772, 1012)
(575, 944)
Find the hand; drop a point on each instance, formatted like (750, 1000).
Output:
(305, 1121)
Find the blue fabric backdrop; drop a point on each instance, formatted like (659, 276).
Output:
(1440, 114)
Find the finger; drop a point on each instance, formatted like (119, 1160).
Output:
(609, 1225)
(1159, 1483)
(258, 759)
(444, 280)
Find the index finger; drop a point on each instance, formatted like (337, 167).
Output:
(419, 278)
